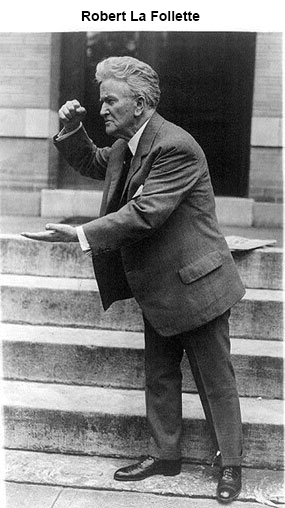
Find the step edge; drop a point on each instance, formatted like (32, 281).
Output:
(121, 340)
(268, 407)
(87, 284)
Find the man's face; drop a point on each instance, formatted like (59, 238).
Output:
(118, 109)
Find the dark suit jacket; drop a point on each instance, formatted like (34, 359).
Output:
(164, 247)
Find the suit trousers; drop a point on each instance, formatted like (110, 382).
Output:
(208, 352)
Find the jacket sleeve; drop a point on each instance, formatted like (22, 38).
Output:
(83, 155)
(174, 173)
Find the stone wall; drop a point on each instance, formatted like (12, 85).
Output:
(265, 177)
(29, 95)
(29, 91)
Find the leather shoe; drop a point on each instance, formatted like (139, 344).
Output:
(148, 466)
(229, 485)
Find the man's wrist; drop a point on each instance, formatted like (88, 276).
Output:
(71, 127)
(64, 134)
(84, 244)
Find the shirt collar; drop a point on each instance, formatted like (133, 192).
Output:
(134, 141)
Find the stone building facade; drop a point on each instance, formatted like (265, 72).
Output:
(31, 73)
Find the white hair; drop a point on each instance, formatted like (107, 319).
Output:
(142, 80)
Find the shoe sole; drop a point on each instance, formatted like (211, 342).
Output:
(229, 499)
(146, 476)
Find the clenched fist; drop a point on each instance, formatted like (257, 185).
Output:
(71, 114)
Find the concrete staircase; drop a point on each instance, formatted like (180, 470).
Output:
(73, 374)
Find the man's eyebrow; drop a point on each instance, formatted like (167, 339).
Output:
(106, 97)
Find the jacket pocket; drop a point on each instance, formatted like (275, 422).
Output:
(201, 267)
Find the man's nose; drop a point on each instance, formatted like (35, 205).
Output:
(104, 109)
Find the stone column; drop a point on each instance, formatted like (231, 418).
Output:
(29, 91)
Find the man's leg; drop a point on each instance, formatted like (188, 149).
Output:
(208, 348)
(163, 393)
(163, 408)
(204, 400)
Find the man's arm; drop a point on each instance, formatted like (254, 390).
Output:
(173, 176)
(71, 115)
(76, 146)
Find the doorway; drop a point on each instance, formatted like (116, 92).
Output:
(207, 88)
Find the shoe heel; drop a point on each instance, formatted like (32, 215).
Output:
(171, 470)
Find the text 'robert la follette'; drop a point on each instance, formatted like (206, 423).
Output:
(140, 16)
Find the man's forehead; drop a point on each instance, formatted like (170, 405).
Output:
(113, 87)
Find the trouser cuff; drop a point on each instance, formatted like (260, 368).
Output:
(231, 461)
(163, 454)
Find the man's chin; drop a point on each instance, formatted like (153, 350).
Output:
(110, 130)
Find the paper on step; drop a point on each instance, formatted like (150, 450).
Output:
(241, 243)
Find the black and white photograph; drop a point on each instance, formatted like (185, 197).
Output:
(141, 256)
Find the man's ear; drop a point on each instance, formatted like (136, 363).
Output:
(140, 106)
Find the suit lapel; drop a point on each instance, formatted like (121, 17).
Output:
(144, 146)
(111, 199)
(115, 167)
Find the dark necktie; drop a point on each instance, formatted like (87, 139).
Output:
(127, 161)
(126, 168)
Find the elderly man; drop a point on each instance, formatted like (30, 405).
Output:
(157, 239)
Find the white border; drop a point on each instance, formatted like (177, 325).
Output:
(215, 15)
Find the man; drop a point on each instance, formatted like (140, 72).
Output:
(157, 239)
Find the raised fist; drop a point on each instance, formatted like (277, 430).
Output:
(71, 114)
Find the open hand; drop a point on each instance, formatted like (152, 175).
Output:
(54, 233)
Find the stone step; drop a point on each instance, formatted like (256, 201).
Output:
(35, 479)
(76, 302)
(33, 496)
(260, 268)
(111, 422)
(115, 358)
